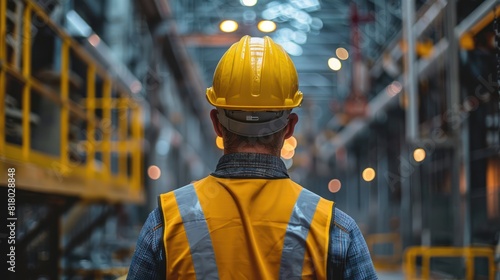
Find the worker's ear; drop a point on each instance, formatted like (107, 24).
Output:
(290, 127)
(215, 122)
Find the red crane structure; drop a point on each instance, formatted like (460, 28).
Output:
(356, 102)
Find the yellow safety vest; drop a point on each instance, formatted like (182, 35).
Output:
(219, 228)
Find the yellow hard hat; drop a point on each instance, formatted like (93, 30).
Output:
(255, 74)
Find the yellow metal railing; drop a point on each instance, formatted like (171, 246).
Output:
(110, 110)
(385, 261)
(467, 39)
(426, 253)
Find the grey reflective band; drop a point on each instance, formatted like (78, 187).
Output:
(294, 247)
(195, 225)
(253, 124)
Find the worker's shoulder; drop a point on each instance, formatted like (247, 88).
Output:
(344, 222)
(183, 188)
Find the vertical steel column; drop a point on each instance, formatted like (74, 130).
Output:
(383, 190)
(3, 31)
(91, 119)
(465, 185)
(55, 242)
(107, 126)
(136, 153)
(411, 121)
(27, 75)
(406, 216)
(123, 136)
(453, 108)
(65, 103)
(2, 109)
(426, 182)
(410, 75)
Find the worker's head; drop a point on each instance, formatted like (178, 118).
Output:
(255, 88)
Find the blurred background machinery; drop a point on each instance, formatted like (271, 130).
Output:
(102, 109)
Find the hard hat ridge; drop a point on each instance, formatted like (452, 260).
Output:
(255, 74)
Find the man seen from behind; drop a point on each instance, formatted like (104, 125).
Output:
(248, 219)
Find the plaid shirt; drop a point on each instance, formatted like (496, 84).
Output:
(349, 253)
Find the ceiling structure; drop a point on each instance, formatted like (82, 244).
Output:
(310, 30)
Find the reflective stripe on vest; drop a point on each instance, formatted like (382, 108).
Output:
(292, 257)
(195, 225)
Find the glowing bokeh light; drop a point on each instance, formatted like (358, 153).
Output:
(228, 26)
(266, 26)
(154, 172)
(292, 141)
(219, 142)
(334, 185)
(287, 147)
(287, 154)
(368, 174)
(334, 63)
(94, 40)
(342, 53)
(394, 88)
(248, 3)
(419, 154)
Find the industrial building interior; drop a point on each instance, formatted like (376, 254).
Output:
(103, 108)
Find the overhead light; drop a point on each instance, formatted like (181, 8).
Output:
(266, 26)
(334, 64)
(228, 26)
(342, 53)
(248, 3)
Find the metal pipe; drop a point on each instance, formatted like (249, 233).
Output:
(410, 71)
(474, 18)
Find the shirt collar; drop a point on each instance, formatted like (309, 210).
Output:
(250, 165)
